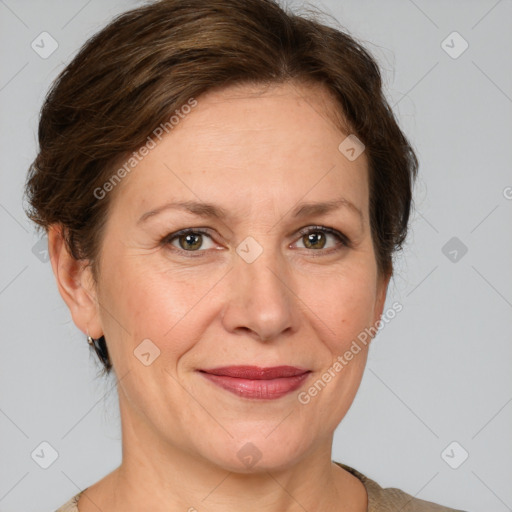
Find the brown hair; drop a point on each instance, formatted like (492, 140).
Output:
(148, 62)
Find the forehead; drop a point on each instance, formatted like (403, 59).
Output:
(250, 143)
(269, 107)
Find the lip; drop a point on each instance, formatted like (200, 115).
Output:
(256, 382)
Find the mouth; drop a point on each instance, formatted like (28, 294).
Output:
(254, 382)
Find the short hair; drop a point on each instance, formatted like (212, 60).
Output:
(150, 61)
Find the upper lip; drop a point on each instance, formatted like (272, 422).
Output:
(257, 372)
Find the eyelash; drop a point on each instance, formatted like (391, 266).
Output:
(343, 239)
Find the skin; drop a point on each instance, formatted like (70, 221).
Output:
(257, 153)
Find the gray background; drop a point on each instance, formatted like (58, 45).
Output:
(439, 372)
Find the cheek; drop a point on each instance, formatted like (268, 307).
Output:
(159, 306)
(346, 312)
(344, 303)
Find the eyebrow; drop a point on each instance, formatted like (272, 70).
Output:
(209, 210)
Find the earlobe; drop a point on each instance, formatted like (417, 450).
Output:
(75, 283)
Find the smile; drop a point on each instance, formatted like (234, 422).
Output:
(257, 383)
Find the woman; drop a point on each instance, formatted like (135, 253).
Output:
(224, 185)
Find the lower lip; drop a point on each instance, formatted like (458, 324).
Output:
(260, 389)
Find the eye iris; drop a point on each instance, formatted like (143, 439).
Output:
(192, 241)
(188, 237)
(314, 237)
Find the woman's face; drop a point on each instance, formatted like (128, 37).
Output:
(246, 289)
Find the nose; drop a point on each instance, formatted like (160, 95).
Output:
(260, 301)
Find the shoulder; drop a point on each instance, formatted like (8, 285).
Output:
(71, 505)
(388, 499)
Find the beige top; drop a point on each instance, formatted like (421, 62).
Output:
(380, 499)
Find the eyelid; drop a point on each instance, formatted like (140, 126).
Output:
(325, 229)
(166, 240)
(344, 241)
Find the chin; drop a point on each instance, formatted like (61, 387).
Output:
(260, 452)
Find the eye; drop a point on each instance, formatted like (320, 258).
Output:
(191, 240)
(315, 238)
(188, 240)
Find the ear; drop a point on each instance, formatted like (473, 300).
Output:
(75, 284)
(382, 288)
